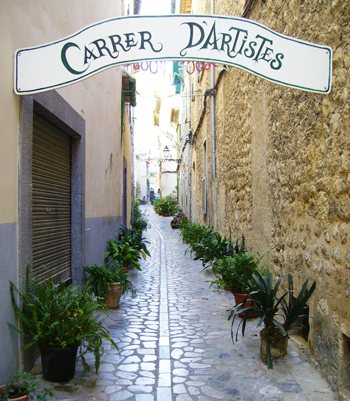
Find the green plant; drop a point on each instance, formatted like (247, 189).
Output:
(211, 248)
(239, 245)
(135, 239)
(276, 308)
(23, 383)
(100, 276)
(61, 316)
(234, 272)
(192, 233)
(140, 221)
(176, 221)
(123, 253)
(208, 245)
(167, 206)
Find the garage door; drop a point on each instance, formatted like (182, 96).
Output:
(51, 202)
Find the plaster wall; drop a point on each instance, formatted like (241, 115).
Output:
(283, 161)
(97, 100)
(25, 24)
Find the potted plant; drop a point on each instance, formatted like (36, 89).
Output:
(167, 206)
(211, 247)
(23, 387)
(64, 322)
(234, 272)
(192, 233)
(278, 309)
(109, 283)
(122, 252)
(134, 238)
(177, 220)
(140, 221)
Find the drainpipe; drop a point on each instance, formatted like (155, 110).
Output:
(212, 105)
(213, 140)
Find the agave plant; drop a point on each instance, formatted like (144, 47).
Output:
(277, 308)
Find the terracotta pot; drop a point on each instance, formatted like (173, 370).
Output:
(112, 298)
(22, 398)
(240, 298)
(278, 345)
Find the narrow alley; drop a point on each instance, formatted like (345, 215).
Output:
(231, 116)
(175, 344)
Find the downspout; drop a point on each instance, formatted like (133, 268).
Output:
(133, 183)
(213, 140)
(212, 115)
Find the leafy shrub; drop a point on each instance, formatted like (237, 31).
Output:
(122, 253)
(21, 384)
(134, 238)
(140, 221)
(61, 316)
(234, 272)
(206, 244)
(100, 276)
(167, 206)
(192, 233)
(211, 248)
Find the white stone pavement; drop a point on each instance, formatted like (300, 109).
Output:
(175, 343)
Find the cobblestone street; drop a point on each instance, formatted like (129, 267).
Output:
(175, 343)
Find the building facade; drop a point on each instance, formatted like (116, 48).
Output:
(273, 163)
(66, 161)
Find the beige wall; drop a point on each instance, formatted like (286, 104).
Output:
(283, 169)
(97, 99)
(26, 23)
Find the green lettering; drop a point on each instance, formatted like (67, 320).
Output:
(65, 61)
(277, 63)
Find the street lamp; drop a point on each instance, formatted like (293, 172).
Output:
(166, 152)
(167, 156)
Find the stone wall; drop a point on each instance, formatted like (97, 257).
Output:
(283, 169)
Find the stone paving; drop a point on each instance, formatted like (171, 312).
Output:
(175, 343)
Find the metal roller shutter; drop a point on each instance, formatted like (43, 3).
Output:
(51, 202)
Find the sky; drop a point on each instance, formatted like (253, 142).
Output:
(147, 84)
(155, 7)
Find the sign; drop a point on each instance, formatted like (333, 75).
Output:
(227, 40)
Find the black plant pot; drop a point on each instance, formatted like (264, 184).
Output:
(58, 364)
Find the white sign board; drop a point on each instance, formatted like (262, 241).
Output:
(228, 40)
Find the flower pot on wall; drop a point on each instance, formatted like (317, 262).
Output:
(58, 364)
(114, 292)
